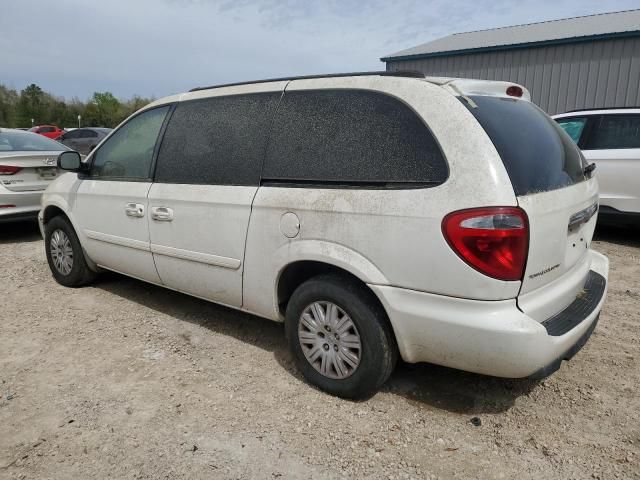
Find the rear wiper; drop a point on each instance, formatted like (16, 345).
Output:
(588, 170)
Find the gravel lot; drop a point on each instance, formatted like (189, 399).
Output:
(127, 380)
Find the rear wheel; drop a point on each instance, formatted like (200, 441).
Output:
(64, 254)
(340, 336)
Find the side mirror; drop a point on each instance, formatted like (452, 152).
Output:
(70, 161)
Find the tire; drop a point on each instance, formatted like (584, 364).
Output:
(377, 353)
(75, 273)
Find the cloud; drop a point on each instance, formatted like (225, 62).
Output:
(159, 47)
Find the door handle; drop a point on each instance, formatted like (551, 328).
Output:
(134, 210)
(162, 214)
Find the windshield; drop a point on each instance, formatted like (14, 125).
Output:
(537, 153)
(17, 141)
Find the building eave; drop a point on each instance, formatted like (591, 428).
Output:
(517, 46)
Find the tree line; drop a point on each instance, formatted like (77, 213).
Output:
(103, 109)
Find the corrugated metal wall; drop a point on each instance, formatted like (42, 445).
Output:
(603, 73)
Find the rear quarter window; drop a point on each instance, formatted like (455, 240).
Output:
(356, 138)
(537, 153)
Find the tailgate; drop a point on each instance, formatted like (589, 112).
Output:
(561, 226)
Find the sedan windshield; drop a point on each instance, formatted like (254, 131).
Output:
(17, 141)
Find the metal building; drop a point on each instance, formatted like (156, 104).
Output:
(582, 62)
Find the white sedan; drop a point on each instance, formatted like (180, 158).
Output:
(27, 165)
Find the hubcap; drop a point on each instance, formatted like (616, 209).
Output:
(330, 340)
(61, 252)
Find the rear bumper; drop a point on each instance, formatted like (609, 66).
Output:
(18, 216)
(568, 355)
(26, 204)
(488, 337)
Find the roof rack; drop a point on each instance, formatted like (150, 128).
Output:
(384, 73)
(602, 108)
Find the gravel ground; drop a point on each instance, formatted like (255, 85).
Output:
(127, 380)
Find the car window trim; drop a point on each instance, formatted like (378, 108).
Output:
(337, 184)
(159, 140)
(154, 156)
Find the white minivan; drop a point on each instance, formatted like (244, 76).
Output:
(378, 215)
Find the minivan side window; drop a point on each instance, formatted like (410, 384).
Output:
(217, 140)
(573, 126)
(128, 153)
(357, 138)
(614, 132)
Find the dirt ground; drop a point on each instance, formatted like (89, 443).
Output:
(127, 380)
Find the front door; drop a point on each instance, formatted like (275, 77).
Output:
(111, 207)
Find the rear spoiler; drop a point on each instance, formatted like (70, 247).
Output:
(463, 87)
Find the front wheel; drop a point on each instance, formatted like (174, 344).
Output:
(64, 254)
(340, 336)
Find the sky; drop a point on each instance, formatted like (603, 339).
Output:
(72, 48)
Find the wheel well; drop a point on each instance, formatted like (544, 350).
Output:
(296, 273)
(52, 211)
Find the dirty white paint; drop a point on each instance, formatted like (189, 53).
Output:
(230, 244)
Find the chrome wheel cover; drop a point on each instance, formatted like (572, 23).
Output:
(330, 340)
(61, 252)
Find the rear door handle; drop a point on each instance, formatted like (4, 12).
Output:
(162, 214)
(134, 210)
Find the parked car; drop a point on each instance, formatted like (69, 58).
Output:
(49, 131)
(83, 140)
(27, 166)
(611, 139)
(377, 215)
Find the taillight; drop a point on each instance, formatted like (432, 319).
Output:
(9, 170)
(493, 240)
(514, 91)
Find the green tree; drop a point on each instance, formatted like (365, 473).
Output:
(104, 109)
(8, 103)
(31, 105)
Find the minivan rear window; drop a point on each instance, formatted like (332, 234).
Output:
(537, 153)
